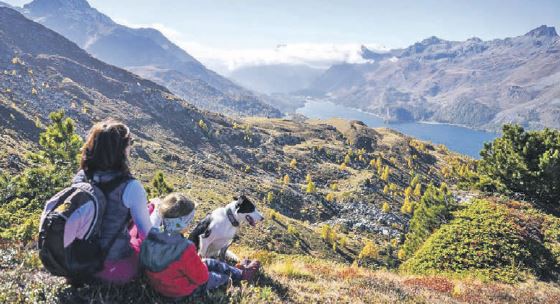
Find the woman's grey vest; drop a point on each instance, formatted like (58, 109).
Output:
(115, 214)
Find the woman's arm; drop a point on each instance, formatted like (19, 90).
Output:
(134, 198)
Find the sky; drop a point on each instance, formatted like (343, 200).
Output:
(239, 32)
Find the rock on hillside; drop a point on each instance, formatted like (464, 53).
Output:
(144, 50)
(481, 84)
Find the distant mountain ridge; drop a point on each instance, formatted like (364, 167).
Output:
(145, 49)
(480, 84)
(276, 78)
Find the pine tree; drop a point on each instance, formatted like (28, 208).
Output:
(386, 208)
(59, 144)
(433, 210)
(51, 169)
(386, 189)
(286, 180)
(407, 207)
(293, 163)
(407, 191)
(325, 232)
(369, 251)
(385, 175)
(310, 187)
(343, 241)
(378, 165)
(332, 236)
(523, 161)
(418, 190)
(415, 181)
(158, 186)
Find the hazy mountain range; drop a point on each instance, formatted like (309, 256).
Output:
(480, 84)
(276, 78)
(148, 53)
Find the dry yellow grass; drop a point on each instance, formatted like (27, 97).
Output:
(311, 280)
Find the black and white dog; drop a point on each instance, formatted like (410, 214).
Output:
(213, 235)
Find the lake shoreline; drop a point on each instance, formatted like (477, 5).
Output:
(432, 122)
(457, 138)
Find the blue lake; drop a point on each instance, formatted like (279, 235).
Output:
(459, 139)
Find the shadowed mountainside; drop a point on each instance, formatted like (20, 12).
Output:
(143, 51)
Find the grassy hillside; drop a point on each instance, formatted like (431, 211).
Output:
(301, 263)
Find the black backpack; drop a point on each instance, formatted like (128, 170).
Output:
(83, 257)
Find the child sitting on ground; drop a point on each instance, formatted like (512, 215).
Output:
(172, 264)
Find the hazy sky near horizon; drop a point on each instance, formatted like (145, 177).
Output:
(220, 27)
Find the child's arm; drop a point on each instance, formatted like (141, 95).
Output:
(193, 267)
(155, 218)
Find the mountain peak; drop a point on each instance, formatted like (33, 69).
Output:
(543, 31)
(431, 40)
(57, 4)
(4, 4)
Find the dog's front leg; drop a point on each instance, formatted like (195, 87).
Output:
(232, 256)
(204, 244)
(227, 255)
(222, 255)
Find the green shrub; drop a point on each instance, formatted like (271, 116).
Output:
(552, 237)
(481, 241)
(433, 210)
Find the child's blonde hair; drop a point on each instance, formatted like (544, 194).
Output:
(176, 205)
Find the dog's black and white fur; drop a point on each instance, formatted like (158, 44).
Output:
(213, 235)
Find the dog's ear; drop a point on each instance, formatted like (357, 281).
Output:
(244, 205)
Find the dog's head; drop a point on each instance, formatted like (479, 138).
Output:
(246, 211)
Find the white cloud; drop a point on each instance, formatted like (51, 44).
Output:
(319, 55)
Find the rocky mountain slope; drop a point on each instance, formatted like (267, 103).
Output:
(481, 84)
(144, 51)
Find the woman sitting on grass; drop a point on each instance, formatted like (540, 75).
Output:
(172, 264)
(104, 160)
